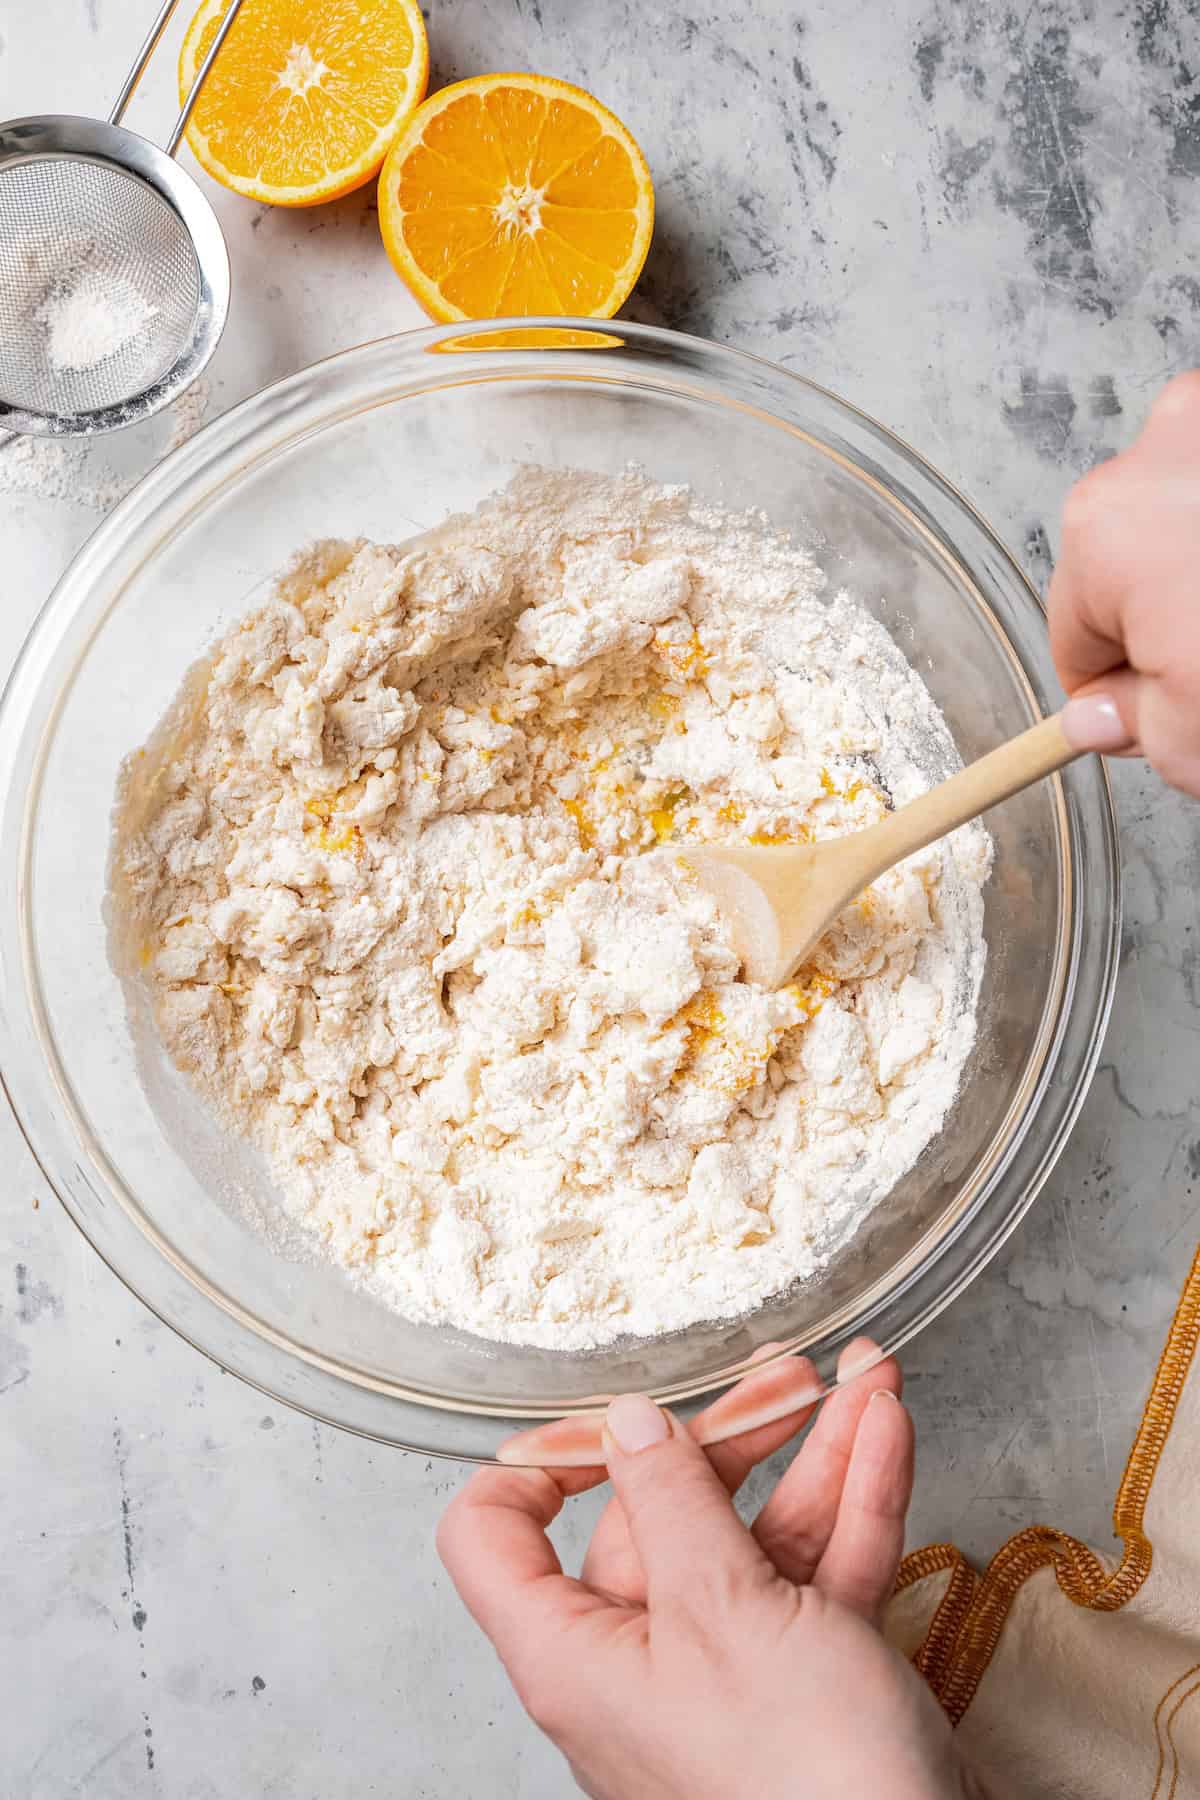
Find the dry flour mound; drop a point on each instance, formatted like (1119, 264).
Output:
(392, 904)
(92, 317)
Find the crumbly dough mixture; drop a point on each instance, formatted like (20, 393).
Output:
(385, 866)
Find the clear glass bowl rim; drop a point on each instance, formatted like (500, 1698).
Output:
(362, 378)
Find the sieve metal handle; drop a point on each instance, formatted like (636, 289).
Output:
(202, 76)
(147, 51)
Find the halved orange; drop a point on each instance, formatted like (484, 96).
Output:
(305, 96)
(507, 195)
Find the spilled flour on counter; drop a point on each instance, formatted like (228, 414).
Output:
(384, 872)
(93, 472)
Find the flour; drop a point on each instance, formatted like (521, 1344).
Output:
(389, 892)
(91, 317)
(80, 471)
(186, 415)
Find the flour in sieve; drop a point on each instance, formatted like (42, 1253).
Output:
(90, 316)
(390, 894)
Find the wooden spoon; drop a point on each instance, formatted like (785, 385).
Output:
(780, 901)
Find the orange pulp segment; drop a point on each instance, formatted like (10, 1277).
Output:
(510, 195)
(305, 96)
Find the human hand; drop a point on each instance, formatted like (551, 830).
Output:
(1125, 598)
(695, 1656)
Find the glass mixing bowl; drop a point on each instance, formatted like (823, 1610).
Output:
(381, 441)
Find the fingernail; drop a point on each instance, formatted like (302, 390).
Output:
(885, 1394)
(634, 1423)
(858, 1356)
(1093, 723)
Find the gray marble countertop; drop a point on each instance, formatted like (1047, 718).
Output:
(980, 224)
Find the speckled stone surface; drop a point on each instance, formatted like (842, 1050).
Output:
(981, 225)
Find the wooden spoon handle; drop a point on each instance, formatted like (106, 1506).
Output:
(1038, 752)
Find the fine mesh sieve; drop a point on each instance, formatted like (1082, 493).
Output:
(114, 278)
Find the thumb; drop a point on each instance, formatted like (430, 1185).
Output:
(1103, 714)
(691, 1544)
